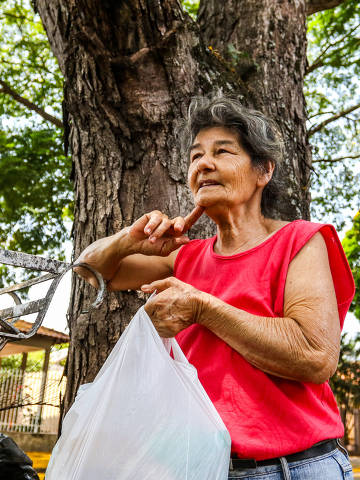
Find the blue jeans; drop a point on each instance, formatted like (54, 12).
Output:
(334, 465)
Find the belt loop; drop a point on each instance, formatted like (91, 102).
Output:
(342, 449)
(285, 468)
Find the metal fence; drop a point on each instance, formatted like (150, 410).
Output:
(29, 402)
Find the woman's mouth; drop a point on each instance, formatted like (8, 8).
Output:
(209, 183)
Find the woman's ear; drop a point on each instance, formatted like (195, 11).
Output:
(266, 173)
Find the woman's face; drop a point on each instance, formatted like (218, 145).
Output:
(220, 172)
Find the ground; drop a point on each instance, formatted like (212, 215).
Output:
(355, 462)
(40, 461)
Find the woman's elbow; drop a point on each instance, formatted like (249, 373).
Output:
(322, 365)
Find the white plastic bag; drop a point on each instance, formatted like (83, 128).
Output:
(145, 417)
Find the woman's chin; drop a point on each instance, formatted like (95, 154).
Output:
(206, 201)
(213, 207)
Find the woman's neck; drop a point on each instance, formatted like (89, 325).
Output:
(236, 234)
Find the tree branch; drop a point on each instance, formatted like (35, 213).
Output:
(323, 124)
(320, 113)
(338, 159)
(313, 6)
(31, 106)
(12, 15)
(319, 61)
(29, 64)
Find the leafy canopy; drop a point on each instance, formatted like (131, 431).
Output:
(35, 189)
(332, 87)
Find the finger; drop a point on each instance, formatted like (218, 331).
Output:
(140, 223)
(160, 285)
(193, 217)
(178, 224)
(87, 275)
(155, 220)
(160, 229)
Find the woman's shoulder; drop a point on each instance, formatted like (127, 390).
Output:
(299, 224)
(273, 225)
(293, 235)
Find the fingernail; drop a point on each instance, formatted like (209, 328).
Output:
(145, 287)
(148, 230)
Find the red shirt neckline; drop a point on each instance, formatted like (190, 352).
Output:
(253, 249)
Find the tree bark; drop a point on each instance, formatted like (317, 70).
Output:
(130, 69)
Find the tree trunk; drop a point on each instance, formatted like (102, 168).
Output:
(130, 69)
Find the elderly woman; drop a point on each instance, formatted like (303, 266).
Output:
(257, 309)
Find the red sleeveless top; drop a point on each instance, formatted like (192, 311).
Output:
(267, 416)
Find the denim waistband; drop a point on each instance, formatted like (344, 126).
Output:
(316, 450)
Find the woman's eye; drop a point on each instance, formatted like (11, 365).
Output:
(222, 151)
(197, 155)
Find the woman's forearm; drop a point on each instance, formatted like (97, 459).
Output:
(105, 255)
(152, 235)
(276, 345)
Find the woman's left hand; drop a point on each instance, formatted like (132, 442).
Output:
(176, 305)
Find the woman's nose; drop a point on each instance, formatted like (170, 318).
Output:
(206, 162)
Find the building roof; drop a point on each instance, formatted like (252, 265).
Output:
(59, 337)
(43, 339)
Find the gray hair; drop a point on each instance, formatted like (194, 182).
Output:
(258, 135)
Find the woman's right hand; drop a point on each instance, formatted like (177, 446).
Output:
(152, 234)
(155, 234)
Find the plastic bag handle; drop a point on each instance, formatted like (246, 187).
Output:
(177, 352)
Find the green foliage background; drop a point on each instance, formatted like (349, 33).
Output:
(332, 86)
(36, 198)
